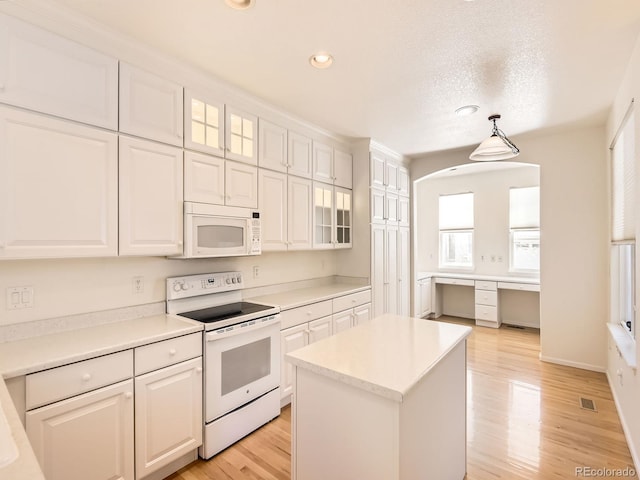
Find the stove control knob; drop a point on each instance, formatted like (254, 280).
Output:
(184, 286)
(234, 280)
(228, 280)
(239, 278)
(176, 287)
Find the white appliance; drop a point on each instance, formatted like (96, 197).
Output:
(220, 231)
(241, 355)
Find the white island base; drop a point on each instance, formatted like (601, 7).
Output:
(382, 401)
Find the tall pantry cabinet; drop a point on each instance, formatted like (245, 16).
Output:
(381, 248)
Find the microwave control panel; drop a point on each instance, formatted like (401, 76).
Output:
(256, 241)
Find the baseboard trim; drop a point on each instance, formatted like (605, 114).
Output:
(625, 428)
(568, 363)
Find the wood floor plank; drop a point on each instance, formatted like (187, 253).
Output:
(524, 420)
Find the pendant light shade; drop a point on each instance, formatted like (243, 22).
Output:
(496, 147)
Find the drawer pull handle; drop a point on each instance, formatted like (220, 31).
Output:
(86, 377)
(128, 395)
(172, 352)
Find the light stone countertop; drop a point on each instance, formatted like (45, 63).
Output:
(304, 296)
(386, 356)
(39, 353)
(473, 276)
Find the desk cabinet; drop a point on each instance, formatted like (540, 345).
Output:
(486, 296)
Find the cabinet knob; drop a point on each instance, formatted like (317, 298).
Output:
(309, 313)
(128, 395)
(86, 377)
(1, 87)
(172, 352)
(199, 369)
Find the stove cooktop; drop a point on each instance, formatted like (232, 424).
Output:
(225, 312)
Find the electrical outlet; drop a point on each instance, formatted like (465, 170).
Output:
(493, 258)
(138, 284)
(500, 258)
(256, 271)
(19, 297)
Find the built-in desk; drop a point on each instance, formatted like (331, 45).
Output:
(488, 294)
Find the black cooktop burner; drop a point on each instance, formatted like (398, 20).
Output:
(224, 312)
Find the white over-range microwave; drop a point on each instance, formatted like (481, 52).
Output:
(219, 231)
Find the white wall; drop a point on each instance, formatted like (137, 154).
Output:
(70, 286)
(574, 250)
(625, 381)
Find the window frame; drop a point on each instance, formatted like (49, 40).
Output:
(531, 223)
(458, 227)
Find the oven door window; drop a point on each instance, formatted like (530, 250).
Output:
(244, 365)
(220, 236)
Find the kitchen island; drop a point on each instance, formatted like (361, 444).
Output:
(383, 401)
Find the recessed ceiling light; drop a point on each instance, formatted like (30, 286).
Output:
(321, 60)
(467, 110)
(239, 4)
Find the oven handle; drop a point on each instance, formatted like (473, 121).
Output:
(237, 329)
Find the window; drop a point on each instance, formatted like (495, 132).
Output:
(524, 229)
(623, 226)
(205, 129)
(456, 230)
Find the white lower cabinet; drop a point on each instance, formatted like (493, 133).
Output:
(342, 321)
(168, 415)
(89, 436)
(362, 314)
(424, 297)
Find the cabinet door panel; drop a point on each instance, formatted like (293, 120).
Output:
(151, 198)
(320, 328)
(343, 218)
(203, 123)
(378, 206)
(404, 289)
(391, 207)
(378, 269)
(300, 215)
(241, 185)
(361, 314)
(272, 188)
(150, 106)
(342, 321)
(203, 178)
(391, 270)
(322, 163)
(300, 157)
(241, 136)
(168, 415)
(403, 181)
(403, 211)
(88, 436)
(272, 146)
(290, 339)
(45, 211)
(323, 215)
(343, 169)
(44, 72)
(391, 175)
(377, 170)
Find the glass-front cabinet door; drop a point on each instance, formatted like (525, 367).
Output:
(242, 128)
(322, 215)
(204, 124)
(344, 221)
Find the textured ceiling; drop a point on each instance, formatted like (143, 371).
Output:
(402, 67)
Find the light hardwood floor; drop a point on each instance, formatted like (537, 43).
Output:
(524, 421)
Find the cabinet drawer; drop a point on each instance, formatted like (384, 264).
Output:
(299, 315)
(63, 382)
(161, 354)
(486, 312)
(352, 300)
(455, 281)
(527, 287)
(486, 285)
(486, 297)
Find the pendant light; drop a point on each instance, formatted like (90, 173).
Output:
(496, 147)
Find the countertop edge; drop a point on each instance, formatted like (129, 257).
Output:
(348, 290)
(479, 276)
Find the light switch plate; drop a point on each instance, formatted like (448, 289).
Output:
(19, 297)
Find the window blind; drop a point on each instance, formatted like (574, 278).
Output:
(456, 211)
(524, 207)
(623, 183)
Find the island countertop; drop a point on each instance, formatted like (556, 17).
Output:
(386, 356)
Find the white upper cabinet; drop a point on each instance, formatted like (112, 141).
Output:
(241, 136)
(322, 162)
(403, 211)
(378, 178)
(241, 185)
(204, 178)
(272, 153)
(343, 169)
(203, 123)
(151, 196)
(150, 106)
(300, 156)
(322, 215)
(386, 172)
(343, 216)
(403, 181)
(300, 227)
(272, 188)
(47, 73)
(59, 184)
(391, 173)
